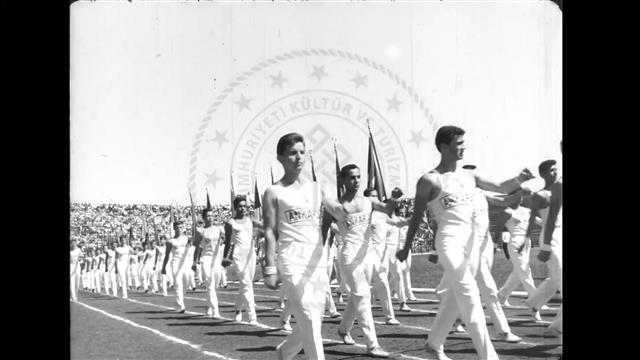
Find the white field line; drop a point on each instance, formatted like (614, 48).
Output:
(331, 341)
(159, 333)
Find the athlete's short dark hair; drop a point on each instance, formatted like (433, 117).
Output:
(545, 166)
(205, 211)
(344, 172)
(238, 199)
(446, 134)
(288, 140)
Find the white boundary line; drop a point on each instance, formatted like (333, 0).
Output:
(159, 333)
(330, 341)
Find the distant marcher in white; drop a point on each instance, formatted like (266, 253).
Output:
(75, 255)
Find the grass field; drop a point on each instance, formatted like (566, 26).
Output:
(145, 326)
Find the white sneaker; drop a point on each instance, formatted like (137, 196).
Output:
(286, 326)
(238, 316)
(510, 338)
(253, 322)
(435, 354)
(377, 351)
(346, 338)
(334, 315)
(536, 315)
(404, 307)
(459, 328)
(209, 312)
(392, 321)
(545, 307)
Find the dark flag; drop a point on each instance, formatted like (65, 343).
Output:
(194, 221)
(374, 176)
(338, 176)
(208, 201)
(313, 168)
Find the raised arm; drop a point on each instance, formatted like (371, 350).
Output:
(424, 194)
(504, 187)
(270, 220)
(504, 200)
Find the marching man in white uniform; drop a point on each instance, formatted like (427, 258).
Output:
(208, 252)
(353, 213)
(149, 278)
(181, 251)
(239, 252)
(110, 276)
(448, 193)
(75, 255)
(551, 253)
(122, 264)
(292, 220)
(161, 251)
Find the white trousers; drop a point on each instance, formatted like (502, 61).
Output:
(180, 279)
(488, 288)
(212, 275)
(463, 296)
(380, 281)
(96, 279)
(359, 305)
(74, 280)
(245, 271)
(134, 272)
(110, 282)
(521, 273)
(330, 304)
(122, 279)
(149, 278)
(549, 286)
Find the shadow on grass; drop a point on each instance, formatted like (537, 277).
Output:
(538, 351)
(256, 333)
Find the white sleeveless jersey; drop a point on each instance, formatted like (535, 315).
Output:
(161, 249)
(122, 253)
(210, 242)
(453, 207)
(242, 239)
(112, 259)
(94, 264)
(299, 212)
(74, 257)
(352, 231)
(518, 222)
(480, 214)
(103, 264)
(134, 259)
(393, 233)
(378, 231)
(149, 256)
(178, 249)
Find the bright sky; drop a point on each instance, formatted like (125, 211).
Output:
(144, 76)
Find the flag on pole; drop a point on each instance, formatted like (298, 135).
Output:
(338, 175)
(208, 200)
(194, 221)
(313, 168)
(272, 181)
(256, 195)
(233, 195)
(144, 226)
(171, 221)
(374, 173)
